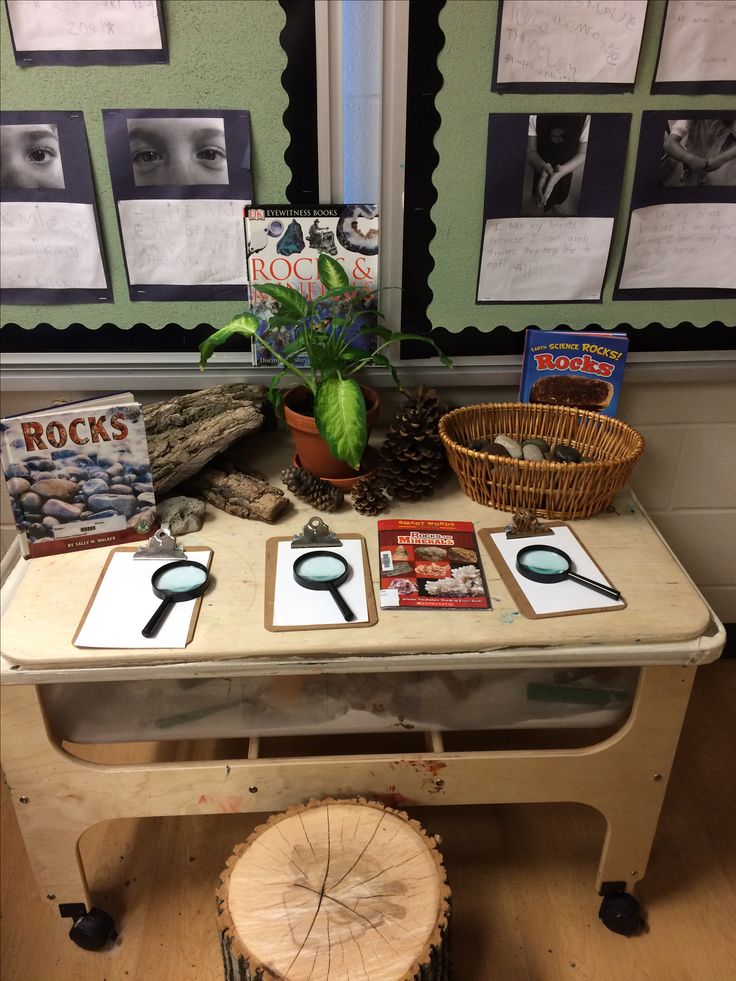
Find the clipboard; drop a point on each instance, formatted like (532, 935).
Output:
(272, 557)
(515, 587)
(124, 608)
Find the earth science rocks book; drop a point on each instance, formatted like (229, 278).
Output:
(78, 475)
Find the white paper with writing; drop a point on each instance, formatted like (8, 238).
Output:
(686, 246)
(125, 602)
(184, 242)
(84, 25)
(49, 245)
(295, 606)
(544, 258)
(557, 597)
(698, 42)
(570, 41)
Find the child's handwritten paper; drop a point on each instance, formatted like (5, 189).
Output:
(569, 41)
(698, 42)
(49, 245)
(681, 246)
(544, 259)
(84, 25)
(184, 241)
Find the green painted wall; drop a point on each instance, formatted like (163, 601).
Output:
(224, 54)
(464, 103)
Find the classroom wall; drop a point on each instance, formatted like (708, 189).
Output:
(686, 478)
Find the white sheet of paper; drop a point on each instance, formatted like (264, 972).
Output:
(556, 597)
(125, 603)
(184, 242)
(674, 246)
(544, 258)
(84, 25)
(698, 42)
(295, 606)
(570, 41)
(49, 245)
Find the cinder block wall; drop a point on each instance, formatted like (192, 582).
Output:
(686, 478)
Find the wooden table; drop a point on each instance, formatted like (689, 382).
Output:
(666, 630)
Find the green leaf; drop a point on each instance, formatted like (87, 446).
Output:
(339, 412)
(331, 273)
(384, 362)
(245, 324)
(291, 302)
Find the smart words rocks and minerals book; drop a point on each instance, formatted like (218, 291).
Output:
(283, 245)
(78, 475)
(574, 368)
(431, 565)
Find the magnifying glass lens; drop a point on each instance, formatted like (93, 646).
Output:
(181, 580)
(322, 568)
(544, 563)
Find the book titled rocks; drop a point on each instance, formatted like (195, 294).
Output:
(283, 245)
(573, 368)
(78, 475)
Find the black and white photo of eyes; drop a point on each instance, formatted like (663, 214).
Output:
(178, 151)
(30, 156)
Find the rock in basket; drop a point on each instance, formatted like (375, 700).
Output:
(608, 446)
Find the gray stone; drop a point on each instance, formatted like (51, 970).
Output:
(141, 488)
(17, 470)
(119, 489)
(41, 465)
(49, 522)
(182, 514)
(31, 502)
(147, 499)
(62, 510)
(118, 478)
(537, 441)
(119, 503)
(512, 446)
(532, 452)
(116, 470)
(94, 486)
(18, 485)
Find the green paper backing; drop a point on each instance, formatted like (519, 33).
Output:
(464, 102)
(222, 55)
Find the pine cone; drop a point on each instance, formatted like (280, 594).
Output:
(370, 496)
(308, 487)
(412, 453)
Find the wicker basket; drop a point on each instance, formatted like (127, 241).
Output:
(550, 489)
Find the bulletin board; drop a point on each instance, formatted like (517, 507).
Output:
(221, 56)
(451, 56)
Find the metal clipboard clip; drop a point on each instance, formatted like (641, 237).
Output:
(162, 545)
(316, 534)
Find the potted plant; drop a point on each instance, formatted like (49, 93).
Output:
(334, 336)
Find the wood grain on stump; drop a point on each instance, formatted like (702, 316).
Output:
(336, 890)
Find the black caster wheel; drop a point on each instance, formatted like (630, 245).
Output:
(620, 912)
(93, 930)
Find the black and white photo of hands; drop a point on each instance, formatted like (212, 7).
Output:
(30, 156)
(699, 152)
(556, 150)
(178, 151)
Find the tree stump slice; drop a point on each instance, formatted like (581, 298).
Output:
(335, 890)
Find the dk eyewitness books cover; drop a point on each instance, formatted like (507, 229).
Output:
(283, 245)
(78, 475)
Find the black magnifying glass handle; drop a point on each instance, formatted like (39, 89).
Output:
(343, 606)
(151, 628)
(599, 587)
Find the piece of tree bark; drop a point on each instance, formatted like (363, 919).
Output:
(185, 432)
(335, 889)
(242, 494)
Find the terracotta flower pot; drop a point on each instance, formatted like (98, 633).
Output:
(312, 450)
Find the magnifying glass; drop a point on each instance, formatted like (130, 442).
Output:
(324, 570)
(175, 582)
(543, 563)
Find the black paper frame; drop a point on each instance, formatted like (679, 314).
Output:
(78, 189)
(554, 88)
(122, 56)
(704, 87)
(647, 192)
(506, 164)
(124, 188)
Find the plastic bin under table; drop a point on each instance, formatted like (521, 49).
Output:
(430, 671)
